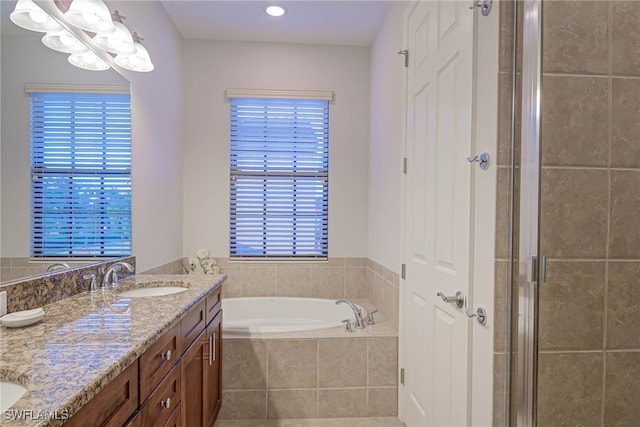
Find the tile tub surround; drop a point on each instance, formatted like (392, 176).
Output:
(38, 291)
(353, 278)
(326, 374)
(86, 340)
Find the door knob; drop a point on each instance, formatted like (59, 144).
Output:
(457, 299)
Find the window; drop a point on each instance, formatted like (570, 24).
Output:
(80, 174)
(279, 178)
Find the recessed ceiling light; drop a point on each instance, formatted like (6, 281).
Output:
(275, 10)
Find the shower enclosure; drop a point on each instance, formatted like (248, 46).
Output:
(569, 270)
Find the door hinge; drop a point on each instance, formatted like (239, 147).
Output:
(405, 52)
(401, 376)
(404, 165)
(403, 273)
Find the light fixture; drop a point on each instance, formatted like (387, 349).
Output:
(120, 42)
(138, 61)
(30, 16)
(90, 15)
(70, 33)
(275, 10)
(64, 41)
(88, 61)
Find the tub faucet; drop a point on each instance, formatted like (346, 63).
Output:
(356, 311)
(111, 273)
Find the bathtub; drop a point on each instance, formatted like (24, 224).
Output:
(259, 315)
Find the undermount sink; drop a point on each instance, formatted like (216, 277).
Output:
(151, 292)
(10, 392)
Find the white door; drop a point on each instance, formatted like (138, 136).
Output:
(438, 213)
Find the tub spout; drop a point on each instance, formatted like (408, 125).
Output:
(356, 311)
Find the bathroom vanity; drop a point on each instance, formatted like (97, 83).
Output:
(103, 359)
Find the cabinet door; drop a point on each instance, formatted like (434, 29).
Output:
(192, 367)
(213, 383)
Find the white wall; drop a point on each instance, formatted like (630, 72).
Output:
(210, 68)
(386, 144)
(156, 132)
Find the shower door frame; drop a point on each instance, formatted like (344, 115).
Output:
(528, 256)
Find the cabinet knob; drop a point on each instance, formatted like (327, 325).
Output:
(166, 403)
(166, 355)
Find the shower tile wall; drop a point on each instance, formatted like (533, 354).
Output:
(589, 337)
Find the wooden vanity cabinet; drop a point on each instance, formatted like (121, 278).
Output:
(175, 383)
(213, 369)
(200, 367)
(113, 405)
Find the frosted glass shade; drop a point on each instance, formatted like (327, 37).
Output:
(88, 61)
(90, 15)
(64, 41)
(120, 42)
(30, 16)
(139, 61)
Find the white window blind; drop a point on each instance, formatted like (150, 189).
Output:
(80, 174)
(279, 178)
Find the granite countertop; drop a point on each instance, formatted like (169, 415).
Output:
(85, 341)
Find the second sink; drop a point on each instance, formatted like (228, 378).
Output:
(151, 292)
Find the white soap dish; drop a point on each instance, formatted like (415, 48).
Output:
(22, 318)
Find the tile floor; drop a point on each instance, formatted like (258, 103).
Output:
(315, 422)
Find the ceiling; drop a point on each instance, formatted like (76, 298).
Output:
(335, 22)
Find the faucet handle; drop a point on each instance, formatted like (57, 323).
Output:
(370, 319)
(93, 285)
(347, 326)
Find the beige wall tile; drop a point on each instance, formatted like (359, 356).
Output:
(571, 311)
(573, 213)
(293, 363)
(625, 38)
(503, 157)
(383, 361)
(244, 364)
(500, 397)
(327, 282)
(622, 389)
(506, 36)
(570, 389)
(243, 405)
(576, 37)
(293, 281)
(355, 262)
(625, 123)
(292, 404)
(343, 362)
(624, 234)
(623, 309)
(355, 283)
(383, 402)
(503, 212)
(336, 403)
(258, 280)
(501, 306)
(575, 127)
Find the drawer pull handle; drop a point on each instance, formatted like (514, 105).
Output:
(214, 346)
(166, 355)
(166, 403)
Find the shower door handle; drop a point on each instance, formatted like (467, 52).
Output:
(457, 299)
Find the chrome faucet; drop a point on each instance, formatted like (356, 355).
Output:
(356, 311)
(111, 273)
(57, 266)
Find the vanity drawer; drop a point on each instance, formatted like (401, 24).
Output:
(113, 405)
(213, 305)
(158, 360)
(192, 324)
(162, 402)
(175, 420)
